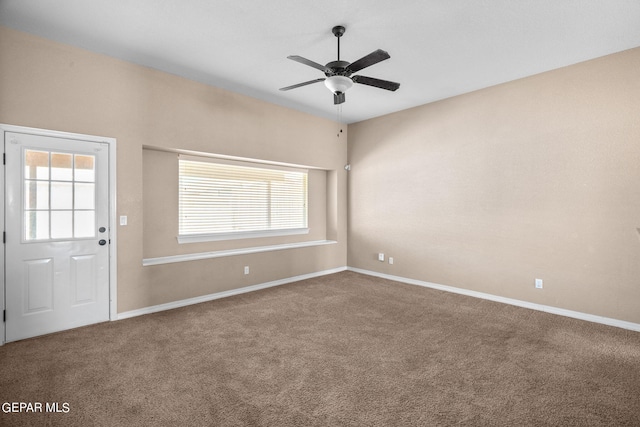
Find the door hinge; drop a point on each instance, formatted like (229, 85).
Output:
(4, 237)
(4, 315)
(4, 158)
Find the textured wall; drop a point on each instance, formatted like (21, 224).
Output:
(536, 178)
(49, 85)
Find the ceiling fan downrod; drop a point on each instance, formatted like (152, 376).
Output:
(338, 31)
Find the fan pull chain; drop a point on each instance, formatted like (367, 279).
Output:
(339, 118)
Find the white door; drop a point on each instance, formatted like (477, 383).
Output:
(57, 234)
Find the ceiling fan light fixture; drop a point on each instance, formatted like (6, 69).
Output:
(338, 84)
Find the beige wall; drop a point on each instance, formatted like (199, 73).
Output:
(49, 85)
(537, 178)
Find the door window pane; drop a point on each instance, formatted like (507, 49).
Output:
(61, 166)
(85, 168)
(61, 195)
(36, 195)
(36, 225)
(36, 164)
(84, 196)
(84, 224)
(61, 224)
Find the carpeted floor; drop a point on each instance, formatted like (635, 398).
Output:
(339, 350)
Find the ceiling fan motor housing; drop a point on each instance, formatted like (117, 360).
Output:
(337, 68)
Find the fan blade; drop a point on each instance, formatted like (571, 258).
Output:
(370, 81)
(301, 84)
(310, 63)
(367, 61)
(338, 98)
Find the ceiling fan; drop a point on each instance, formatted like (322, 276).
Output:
(338, 73)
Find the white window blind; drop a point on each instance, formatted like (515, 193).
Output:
(219, 200)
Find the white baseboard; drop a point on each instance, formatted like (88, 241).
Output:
(217, 295)
(525, 304)
(539, 307)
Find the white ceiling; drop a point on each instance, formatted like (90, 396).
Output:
(438, 48)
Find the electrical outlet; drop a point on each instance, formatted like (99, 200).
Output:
(381, 257)
(246, 269)
(390, 260)
(538, 283)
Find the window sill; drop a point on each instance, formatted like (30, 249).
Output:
(232, 252)
(196, 238)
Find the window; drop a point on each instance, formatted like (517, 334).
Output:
(219, 200)
(59, 196)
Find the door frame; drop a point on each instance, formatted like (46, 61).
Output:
(113, 258)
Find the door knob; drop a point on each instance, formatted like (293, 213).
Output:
(102, 242)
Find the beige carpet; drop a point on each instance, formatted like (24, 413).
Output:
(340, 350)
